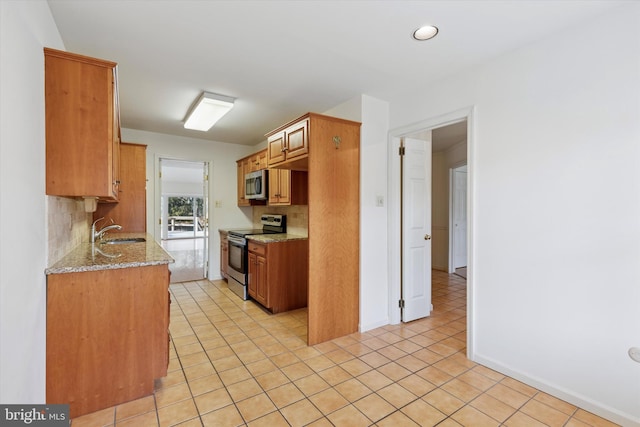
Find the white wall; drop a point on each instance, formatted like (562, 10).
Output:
(222, 183)
(25, 28)
(556, 227)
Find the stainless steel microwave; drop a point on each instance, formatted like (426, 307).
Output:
(255, 185)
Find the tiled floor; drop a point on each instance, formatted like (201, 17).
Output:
(189, 258)
(232, 364)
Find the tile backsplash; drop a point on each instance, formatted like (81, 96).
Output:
(68, 226)
(297, 217)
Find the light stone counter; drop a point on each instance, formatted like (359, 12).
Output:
(272, 238)
(99, 256)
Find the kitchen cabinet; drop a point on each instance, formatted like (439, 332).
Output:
(82, 126)
(287, 187)
(278, 274)
(252, 163)
(329, 149)
(107, 336)
(131, 209)
(288, 146)
(224, 254)
(258, 161)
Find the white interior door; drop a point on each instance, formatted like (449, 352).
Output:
(416, 228)
(460, 217)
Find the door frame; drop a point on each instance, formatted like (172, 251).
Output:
(157, 200)
(452, 170)
(393, 229)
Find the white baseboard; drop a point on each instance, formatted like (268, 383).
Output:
(583, 402)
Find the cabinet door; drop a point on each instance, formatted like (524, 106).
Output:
(253, 276)
(274, 186)
(262, 290)
(224, 256)
(131, 211)
(297, 137)
(242, 167)
(275, 150)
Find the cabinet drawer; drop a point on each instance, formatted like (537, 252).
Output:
(257, 248)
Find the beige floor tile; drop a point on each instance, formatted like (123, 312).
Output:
(319, 363)
(198, 371)
(349, 416)
(272, 379)
(135, 408)
(397, 395)
(328, 401)
(520, 419)
(355, 367)
(274, 419)
(545, 414)
(205, 384)
(296, 371)
(213, 400)
(335, 375)
(223, 417)
(556, 403)
(394, 371)
(477, 380)
(491, 406)
(374, 380)
(244, 389)
(311, 384)
(470, 416)
(177, 413)
(260, 367)
(461, 390)
(434, 375)
(397, 419)
(443, 401)
(374, 407)
(592, 419)
(416, 385)
(285, 395)
(234, 375)
(423, 413)
(353, 390)
(301, 413)
(375, 359)
(508, 395)
(150, 419)
(170, 395)
(255, 407)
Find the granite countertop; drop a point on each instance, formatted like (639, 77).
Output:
(272, 238)
(98, 256)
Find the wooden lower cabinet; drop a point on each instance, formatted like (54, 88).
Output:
(107, 336)
(278, 274)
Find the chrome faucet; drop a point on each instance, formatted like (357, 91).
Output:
(100, 233)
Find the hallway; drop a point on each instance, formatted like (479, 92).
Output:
(233, 364)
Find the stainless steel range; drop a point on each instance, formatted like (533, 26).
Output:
(239, 251)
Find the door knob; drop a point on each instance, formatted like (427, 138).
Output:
(427, 237)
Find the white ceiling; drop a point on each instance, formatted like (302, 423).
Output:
(281, 59)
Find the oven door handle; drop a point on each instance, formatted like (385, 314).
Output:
(237, 240)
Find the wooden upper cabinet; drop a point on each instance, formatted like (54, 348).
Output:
(288, 147)
(82, 126)
(287, 187)
(131, 210)
(243, 165)
(258, 161)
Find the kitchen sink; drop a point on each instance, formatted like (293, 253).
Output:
(124, 240)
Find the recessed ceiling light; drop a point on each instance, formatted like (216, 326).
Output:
(425, 33)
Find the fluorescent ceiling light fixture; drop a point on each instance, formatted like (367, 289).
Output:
(207, 110)
(425, 33)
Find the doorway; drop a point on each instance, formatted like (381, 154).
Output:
(184, 223)
(458, 221)
(461, 119)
